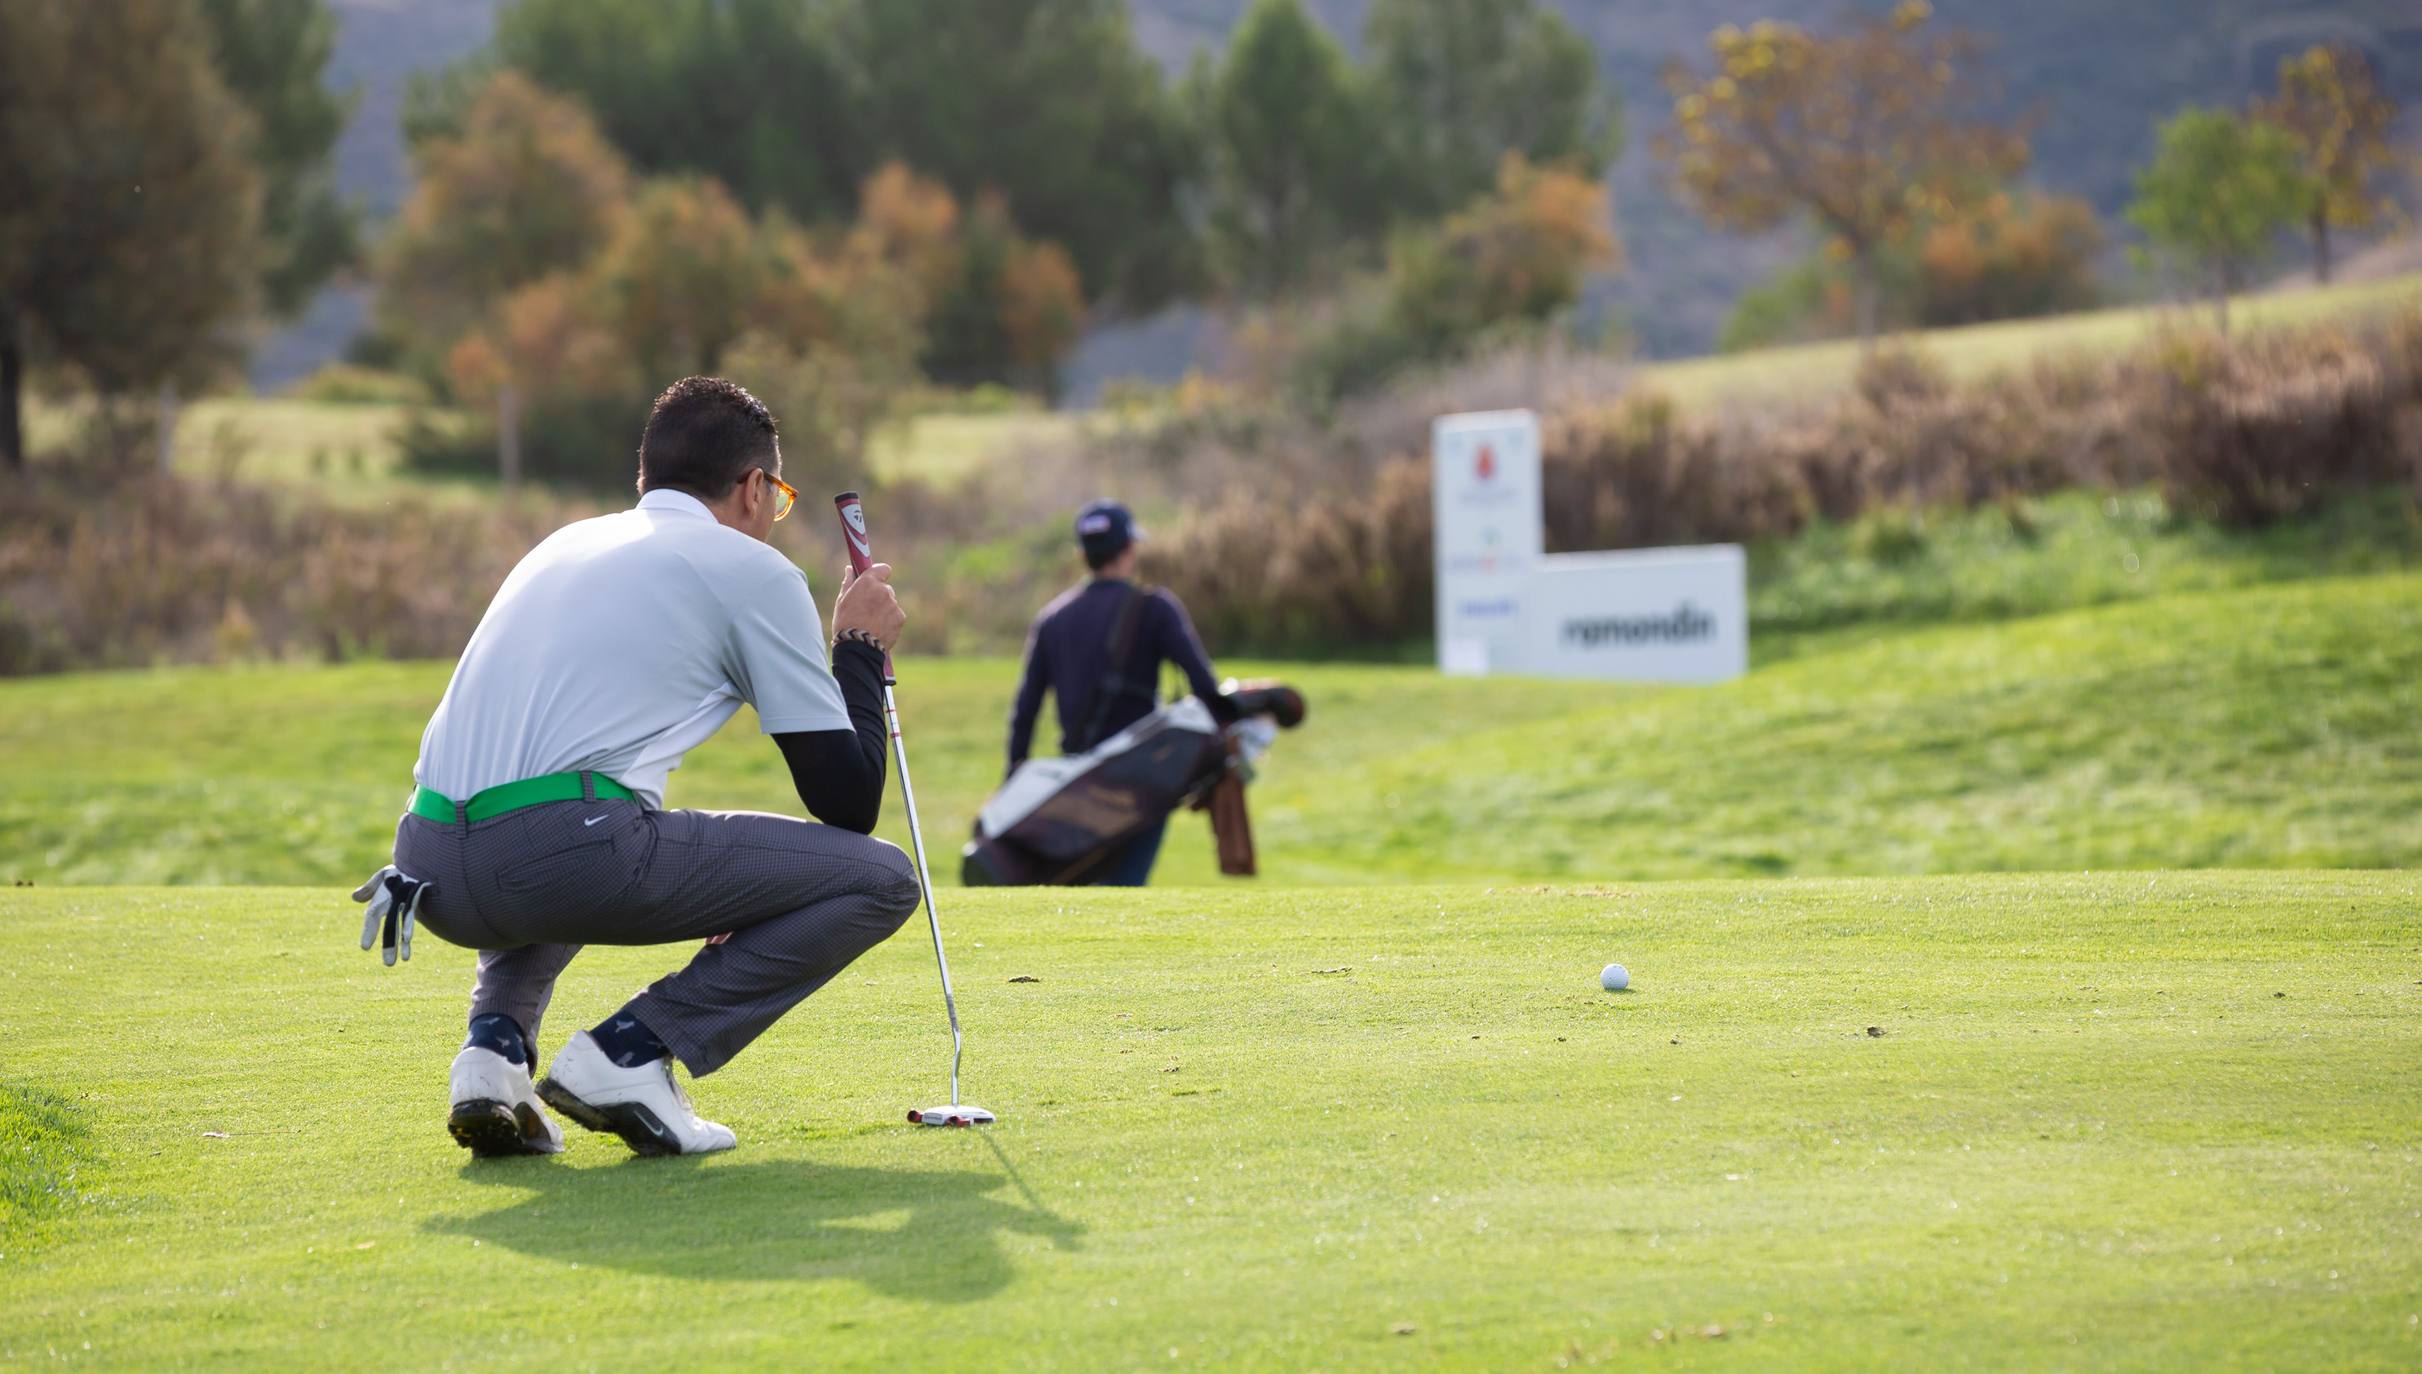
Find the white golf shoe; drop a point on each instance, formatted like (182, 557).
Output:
(495, 1113)
(643, 1105)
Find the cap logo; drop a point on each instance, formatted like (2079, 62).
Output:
(1096, 523)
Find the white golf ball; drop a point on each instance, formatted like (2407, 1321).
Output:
(1615, 978)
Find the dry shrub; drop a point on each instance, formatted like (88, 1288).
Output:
(2261, 430)
(1312, 576)
(127, 572)
(2243, 433)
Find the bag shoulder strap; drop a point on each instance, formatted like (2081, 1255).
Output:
(1121, 647)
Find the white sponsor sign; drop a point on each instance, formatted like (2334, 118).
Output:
(1647, 615)
(1485, 507)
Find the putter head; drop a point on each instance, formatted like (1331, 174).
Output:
(956, 1114)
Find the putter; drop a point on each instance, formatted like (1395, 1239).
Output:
(956, 1113)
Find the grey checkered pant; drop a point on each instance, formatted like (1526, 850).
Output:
(529, 888)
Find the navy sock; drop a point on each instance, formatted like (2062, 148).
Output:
(627, 1040)
(501, 1033)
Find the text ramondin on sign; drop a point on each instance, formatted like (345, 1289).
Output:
(1506, 605)
(1686, 623)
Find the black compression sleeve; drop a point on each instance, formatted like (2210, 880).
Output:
(839, 773)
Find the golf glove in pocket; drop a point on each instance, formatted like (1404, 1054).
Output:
(394, 897)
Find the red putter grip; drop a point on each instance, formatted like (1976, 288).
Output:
(853, 531)
(861, 552)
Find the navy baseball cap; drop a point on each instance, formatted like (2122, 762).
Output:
(1104, 528)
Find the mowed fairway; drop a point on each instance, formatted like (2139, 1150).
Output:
(2274, 726)
(2139, 1121)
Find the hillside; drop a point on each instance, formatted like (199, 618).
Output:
(2260, 727)
(2095, 77)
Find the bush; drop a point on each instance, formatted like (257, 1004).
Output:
(2266, 428)
(1501, 270)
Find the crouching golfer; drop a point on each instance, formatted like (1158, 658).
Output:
(615, 647)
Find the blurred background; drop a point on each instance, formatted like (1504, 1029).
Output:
(315, 314)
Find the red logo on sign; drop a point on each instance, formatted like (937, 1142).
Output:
(1488, 463)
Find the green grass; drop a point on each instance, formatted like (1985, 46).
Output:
(2268, 726)
(2140, 1121)
(2276, 727)
(942, 449)
(1803, 370)
(1901, 567)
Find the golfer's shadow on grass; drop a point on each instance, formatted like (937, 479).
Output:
(929, 1235)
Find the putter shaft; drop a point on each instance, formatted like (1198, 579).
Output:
(916, 841)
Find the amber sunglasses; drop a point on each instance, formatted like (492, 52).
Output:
(785, 495)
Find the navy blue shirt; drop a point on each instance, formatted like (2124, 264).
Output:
(1068, 654)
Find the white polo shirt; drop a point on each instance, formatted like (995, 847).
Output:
(620, 644)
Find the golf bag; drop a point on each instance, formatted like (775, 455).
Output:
(1058, 820)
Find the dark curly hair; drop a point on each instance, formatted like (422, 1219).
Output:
(705, 434)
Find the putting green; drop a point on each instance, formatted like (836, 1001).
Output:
(2134, 1120)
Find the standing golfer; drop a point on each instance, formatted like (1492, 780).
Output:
(613, 649)
(1098, 648)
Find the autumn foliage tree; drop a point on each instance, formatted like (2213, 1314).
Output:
(2010, 256)
(2330, 105)
(1519, 255)
(1509, 262)
(681, 275)
(526, 189)
(1861, 134)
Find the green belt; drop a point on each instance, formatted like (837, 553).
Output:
(513, 796)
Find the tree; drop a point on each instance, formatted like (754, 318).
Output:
(526, 189)
(1458, 84)
(2009, 258)
(1517, 256)
(2013, 256)
(127, 207)
(546, 351)
(1287, 144)
(681, 275)
(1506, 265)
(2218, 192)
(1050, 104)
(754, 93)
(984, 302)
(2333, 109)
(1010, 308)
(793, 104)
(1862, 134)
(272, 54)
